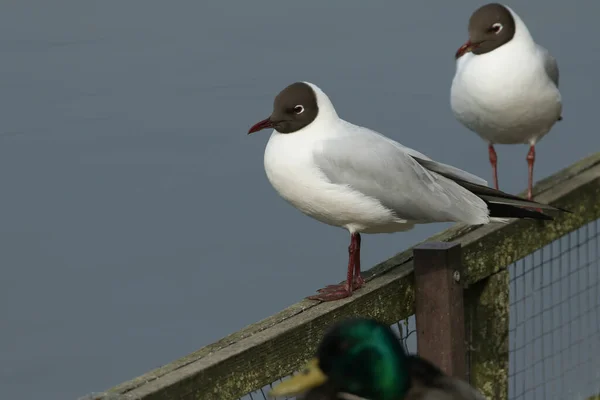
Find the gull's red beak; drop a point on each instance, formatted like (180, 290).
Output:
(465, 48)
(265, 123)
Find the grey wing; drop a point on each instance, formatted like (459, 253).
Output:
(441, 168)
(376, 168)
(450, 171)
(550, 65)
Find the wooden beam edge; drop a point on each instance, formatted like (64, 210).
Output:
(492, 248)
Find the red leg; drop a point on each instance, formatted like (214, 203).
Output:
(358, 279)
(354, 257)
(494, 162)
(530, 161)
(343, 290)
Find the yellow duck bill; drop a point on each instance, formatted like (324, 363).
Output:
(310, 377)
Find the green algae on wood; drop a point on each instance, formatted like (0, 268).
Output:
(492, 248)
(279, 350)
(487, 335)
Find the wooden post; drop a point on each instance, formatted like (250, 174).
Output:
(439, 306)
(487, 323)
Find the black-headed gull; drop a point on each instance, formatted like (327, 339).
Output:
(505, 87)
(355, 178)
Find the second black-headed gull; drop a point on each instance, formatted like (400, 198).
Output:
(355, 178)
(505, 87)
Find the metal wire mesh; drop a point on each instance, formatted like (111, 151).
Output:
(405, 330)
(554, 328)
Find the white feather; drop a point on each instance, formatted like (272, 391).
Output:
(509, 95)
(353, 177)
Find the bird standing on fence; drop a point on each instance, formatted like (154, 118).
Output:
(505, 87)
(364, 358)
(352, 177)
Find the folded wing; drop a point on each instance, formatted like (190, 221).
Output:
(375, 167)
(413, 186)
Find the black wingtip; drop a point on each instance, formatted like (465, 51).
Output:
(509, 211)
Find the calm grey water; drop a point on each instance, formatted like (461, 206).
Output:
(136, 221)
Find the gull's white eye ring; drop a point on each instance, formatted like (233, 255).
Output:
(299, 109)
(497, 27)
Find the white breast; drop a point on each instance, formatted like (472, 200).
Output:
(505, 95)
(293, 174)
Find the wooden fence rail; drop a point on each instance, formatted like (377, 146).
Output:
(278, 345)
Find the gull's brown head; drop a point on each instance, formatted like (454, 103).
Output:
(294, 108)
(490, 27)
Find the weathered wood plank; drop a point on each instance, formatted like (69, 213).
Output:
(277, 351)
(277, 345)
(487, 320)
(493, 247)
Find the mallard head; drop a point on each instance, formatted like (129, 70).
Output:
(358, 356)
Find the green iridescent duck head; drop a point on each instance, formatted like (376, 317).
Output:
(358, 356)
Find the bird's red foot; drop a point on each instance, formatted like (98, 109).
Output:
(357, 284)
(334, 288)
(331, 293)
(336, 292)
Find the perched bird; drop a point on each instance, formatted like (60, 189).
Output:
(505, 87)
(352, 177)
(364, 359)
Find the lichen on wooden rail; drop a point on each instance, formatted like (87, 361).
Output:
(276, 346)
(487, 315)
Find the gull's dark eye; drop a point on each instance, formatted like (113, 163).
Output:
(299, 109)
(496, 28)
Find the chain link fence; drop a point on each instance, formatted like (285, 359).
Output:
(554, 328)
